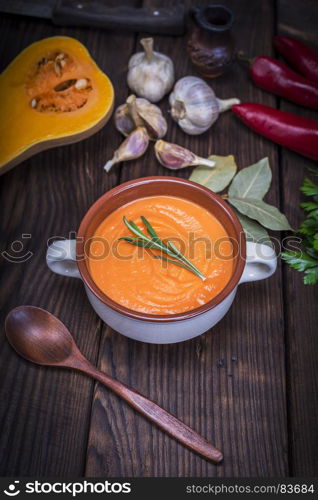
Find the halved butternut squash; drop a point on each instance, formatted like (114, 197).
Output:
(51, 94)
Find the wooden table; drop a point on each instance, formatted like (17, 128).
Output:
(249, 386)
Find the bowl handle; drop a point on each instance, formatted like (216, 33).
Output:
(61, 258)
(261, 262)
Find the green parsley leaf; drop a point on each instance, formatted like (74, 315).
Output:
(307, 261)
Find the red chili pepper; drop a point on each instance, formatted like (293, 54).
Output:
(287, 129)
(299, 55)
(274, 76)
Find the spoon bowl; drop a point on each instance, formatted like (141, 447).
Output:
(38, 336)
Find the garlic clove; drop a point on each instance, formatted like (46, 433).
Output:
(123, 121)
(150, 73)
(133, 147)
(153, 118)
(174, 156)
(140, 112)
(131, 102)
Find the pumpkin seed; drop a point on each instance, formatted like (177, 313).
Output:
(81, 84)
(57, 69)
(64, 85)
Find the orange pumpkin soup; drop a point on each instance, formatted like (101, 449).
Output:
(132, 277)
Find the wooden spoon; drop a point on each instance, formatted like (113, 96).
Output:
(41, 338)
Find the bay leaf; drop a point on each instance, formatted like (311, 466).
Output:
(253, 230)
(267, 215)
(218, 177)
(252, 182)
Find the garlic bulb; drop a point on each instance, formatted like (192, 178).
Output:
(174, 156)
(144, 113)
(133, 147)
(150, 74)
(194, 105)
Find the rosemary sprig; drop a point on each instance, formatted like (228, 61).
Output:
(155, 243)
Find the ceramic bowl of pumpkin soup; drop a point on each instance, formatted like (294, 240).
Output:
(161, 258)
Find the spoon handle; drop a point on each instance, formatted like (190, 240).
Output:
(167, 422)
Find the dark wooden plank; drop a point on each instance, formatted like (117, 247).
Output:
(301, 301)
(240, 406)
(45, 413)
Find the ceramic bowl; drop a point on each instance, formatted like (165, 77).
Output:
(252, 261)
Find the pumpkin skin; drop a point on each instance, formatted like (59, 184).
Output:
(38, 113)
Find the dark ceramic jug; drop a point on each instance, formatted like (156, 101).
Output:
(211, 47)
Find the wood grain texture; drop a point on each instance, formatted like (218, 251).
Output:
(300, 300)
(229, 384)
(44, 413)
